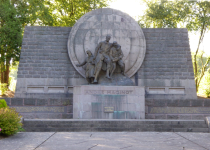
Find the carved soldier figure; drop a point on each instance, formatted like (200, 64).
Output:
(102, 55)
(90, 68)
(116, 56)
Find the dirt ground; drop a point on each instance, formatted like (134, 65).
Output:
(9, 94)
(2, 137)
(202, 97)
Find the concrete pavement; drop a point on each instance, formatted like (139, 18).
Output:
(106, 141)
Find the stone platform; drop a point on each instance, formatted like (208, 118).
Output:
(114, 125)
(108, 102)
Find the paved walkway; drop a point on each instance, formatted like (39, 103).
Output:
(106, 141)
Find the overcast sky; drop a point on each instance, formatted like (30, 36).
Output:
(134, 8)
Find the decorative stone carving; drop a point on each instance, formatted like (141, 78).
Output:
(116, 56)
(94, 26)
(110, 54)
(102, 55)
(90, 67)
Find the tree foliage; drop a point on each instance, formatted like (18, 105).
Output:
(193, 15)
(67, 12)
(164, 14)
(16, 14)
(11, 37)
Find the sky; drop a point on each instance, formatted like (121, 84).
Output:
(135, 8)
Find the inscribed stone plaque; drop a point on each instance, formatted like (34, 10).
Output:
(108, 102)
(109, 109)
(93, 28)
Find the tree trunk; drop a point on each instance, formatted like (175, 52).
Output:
(5, 73)
(203, 30)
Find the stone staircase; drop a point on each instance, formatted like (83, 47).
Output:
(75, 125)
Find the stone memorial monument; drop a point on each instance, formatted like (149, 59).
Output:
(106, 67)
(118, 45)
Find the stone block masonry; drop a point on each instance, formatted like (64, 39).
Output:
(44, 54)
(167, 70)
(177, 109)
(45, 70)
(115, 125)
(33, 108)
(168, 55)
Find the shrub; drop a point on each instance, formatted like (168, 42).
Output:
(207, 89)
(3, 103)
(204, 88)
(10, 121)
(207, 92)
(3, 88)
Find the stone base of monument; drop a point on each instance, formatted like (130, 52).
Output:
(155, 108)
(117, 79)
(108, 102)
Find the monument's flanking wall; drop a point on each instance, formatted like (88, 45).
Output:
(167, 70)
(45, 69)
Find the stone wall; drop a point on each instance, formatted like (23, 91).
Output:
(33, 108)
(44, 54)
(45, 69)
(167, 70)
(177, 109)
(167, 56)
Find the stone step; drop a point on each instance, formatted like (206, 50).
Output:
(204, 130)
(73, 125)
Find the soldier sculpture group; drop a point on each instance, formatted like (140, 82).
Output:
(106, 56)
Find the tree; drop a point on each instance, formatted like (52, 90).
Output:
(11, 37)
(194, 15)
(200, 21)
(16, 14)
(67, 12)
(164, 14)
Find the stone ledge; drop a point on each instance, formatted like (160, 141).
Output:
(114, 120)
(176, 116)
(62, 125)
(177, 103)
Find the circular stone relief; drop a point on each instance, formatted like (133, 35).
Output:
(93, 28)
